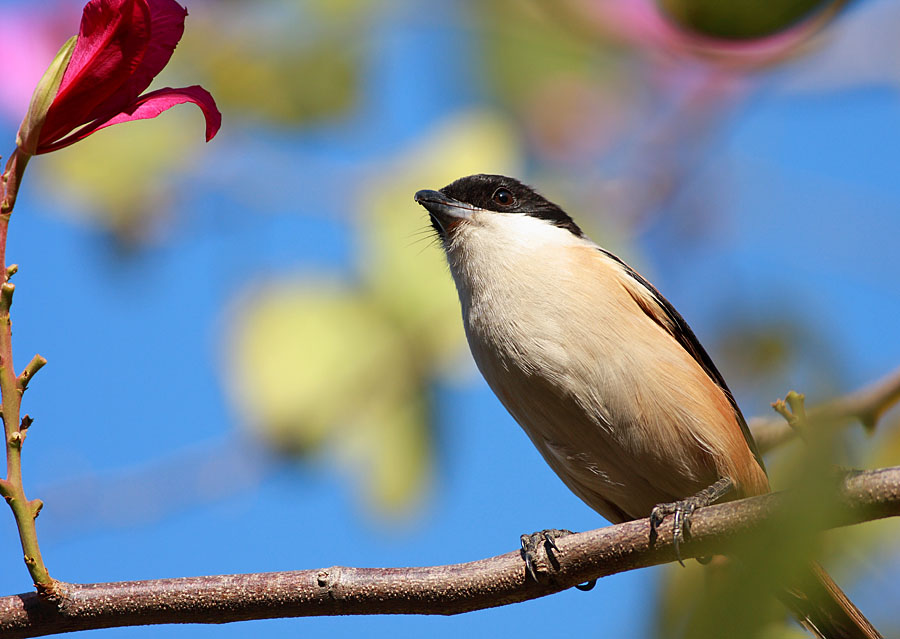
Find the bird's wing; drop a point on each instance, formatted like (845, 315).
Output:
(663, 313)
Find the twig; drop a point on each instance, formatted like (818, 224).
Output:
(866, 405)
(793, 409)
(438, 590)
(12, 387)
(37, 363)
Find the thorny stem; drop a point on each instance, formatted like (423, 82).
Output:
(11, 389)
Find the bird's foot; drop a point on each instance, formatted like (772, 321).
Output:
(684, 510)
(545, 540)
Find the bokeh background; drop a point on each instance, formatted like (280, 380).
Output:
(256, 358)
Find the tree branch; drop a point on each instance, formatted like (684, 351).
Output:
(441, 590)
(866, 405)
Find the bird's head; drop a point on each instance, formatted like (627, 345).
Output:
(478, 198)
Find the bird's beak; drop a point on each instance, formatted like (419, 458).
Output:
(445, 211)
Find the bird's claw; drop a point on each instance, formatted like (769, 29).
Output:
(681, 524)
(684, 510)
(533, 543)
(545, 540)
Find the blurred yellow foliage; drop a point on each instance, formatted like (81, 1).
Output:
(114, 178)
(340, 9)
(282, 63)
(317, 363)
(306, 348)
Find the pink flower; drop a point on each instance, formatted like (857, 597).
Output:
(122, 45)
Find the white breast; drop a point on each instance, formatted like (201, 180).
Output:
(614, 404)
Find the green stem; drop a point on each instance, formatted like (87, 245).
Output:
(11, 389)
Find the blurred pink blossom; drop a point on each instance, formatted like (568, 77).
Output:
(29, 38)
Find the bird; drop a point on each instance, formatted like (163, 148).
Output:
(601, 372)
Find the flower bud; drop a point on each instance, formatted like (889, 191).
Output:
(30, 130)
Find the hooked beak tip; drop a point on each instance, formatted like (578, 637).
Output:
(445, 211)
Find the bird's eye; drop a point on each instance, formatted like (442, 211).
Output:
(503, 197)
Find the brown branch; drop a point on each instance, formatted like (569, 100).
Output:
(440, 590)
(866, 405)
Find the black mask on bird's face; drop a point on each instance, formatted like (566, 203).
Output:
(458, 200)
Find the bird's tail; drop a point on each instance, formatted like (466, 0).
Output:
(823, 608)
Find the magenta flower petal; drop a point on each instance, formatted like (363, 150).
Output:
(122, 45)
(166, 28)
(149, 106)
(112, 41)
(152, 104)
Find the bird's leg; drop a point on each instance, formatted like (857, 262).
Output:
(546, 540)
(684, 509)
